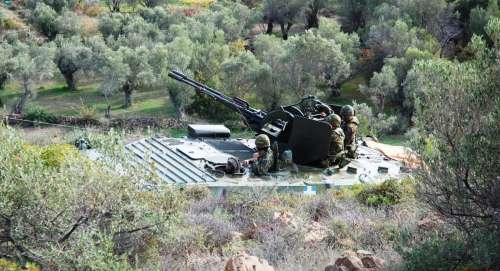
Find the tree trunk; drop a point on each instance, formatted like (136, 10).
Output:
(312, 18)
(270, 26)
(70, 80)
(18, 109)
(127, 90)
(3, 80)
(284, 30)
(381, 99)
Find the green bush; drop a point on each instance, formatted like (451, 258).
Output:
(7, 23)
(478, 252)
(54, 155)
(389, 192)
(39, 114)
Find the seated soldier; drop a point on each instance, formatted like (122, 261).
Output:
(336, 155)
(263, 160)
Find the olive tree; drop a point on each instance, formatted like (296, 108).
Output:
(355, 13)
(423, 13)
(115, 5)
(176, 55)
(457, 118)
(50, 23)
(152, 3)
(71, 56)
(349, 43)
(234, 19)
(312, 62)
(393, 38)
(6, 64)
(112, 25)
(313, 9)
(241, 74)
(45, 19)
(126, 70)
(383, 85)
(31, 63)
(285, 13)
(57, 5)
(270, 86)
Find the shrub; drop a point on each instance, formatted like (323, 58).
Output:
(389, 192)
(320, 207)
(217, 228)
(109, 212)
(479, 252)
(372, 124)
(8, 23)
(54, 155)
(40, 114)
(85, 111)
(197, 192)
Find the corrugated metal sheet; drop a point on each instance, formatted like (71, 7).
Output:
(169, 163)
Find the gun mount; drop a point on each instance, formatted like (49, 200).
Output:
(291, 127)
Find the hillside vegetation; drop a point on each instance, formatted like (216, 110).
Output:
(423, 71)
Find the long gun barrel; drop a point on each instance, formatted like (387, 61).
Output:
(253, 117)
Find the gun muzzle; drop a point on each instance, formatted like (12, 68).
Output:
(177, 75)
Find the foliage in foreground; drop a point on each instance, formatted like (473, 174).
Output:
(455, 252)
(457, 116)
(62, 211)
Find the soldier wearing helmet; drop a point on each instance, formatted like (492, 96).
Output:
(350, 127)
(263, 159)
(336, 152)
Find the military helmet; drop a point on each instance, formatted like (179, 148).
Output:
(334, 119)
(262, 141)
(347, 111)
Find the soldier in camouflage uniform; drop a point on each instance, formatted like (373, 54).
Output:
(263, 159)
(350, 126)
(336, 154)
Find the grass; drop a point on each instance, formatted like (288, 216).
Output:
(350, 91)
(397, 140)
(57, 99)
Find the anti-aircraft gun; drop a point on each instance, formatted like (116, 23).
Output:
(290, 127)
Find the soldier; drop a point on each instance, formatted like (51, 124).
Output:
(263, 159)
(336, 152)
(350, 126)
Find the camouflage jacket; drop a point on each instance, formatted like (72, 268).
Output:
(350, 130)
(262, 165)
(336, 142)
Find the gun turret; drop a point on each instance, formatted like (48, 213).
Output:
(253, 117)
(288, 126)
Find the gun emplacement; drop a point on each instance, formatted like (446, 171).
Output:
(288, 126)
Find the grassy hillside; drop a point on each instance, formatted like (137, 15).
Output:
(57, 99)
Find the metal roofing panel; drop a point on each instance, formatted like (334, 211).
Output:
(170, 164)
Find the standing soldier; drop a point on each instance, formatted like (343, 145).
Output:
(263, 159)
(336, 152)
(350, 126)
